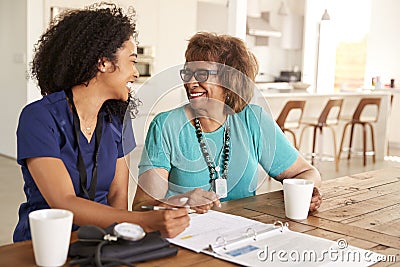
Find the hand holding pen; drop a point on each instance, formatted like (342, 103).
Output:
(157, 208)
(170, 221)
(198, 200)
(182, 202)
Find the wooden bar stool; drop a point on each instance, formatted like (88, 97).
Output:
(329, 117)
(289, 123)
(363, 121)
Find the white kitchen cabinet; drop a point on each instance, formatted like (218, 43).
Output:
(166, 25)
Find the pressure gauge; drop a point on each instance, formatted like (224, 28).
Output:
(129, 231)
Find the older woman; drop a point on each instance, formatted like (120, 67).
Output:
(208, 150)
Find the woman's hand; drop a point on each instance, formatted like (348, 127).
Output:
(170, 223)
(316, 199)
(198, 200)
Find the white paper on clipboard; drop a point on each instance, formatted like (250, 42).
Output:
(251, 243)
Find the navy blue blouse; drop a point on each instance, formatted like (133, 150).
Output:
(45, 129)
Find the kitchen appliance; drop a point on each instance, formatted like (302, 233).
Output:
(145, 62)
(289, 76)
(258, 23)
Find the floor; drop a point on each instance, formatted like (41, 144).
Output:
(11, 191)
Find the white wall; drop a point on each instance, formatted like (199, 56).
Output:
(36, 23)
(216, 19)
(383, 53)
(13, 94)
(177, 23)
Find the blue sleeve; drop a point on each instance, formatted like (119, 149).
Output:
(156, 152)
(128, 138)
(275, 146)
(36, 134)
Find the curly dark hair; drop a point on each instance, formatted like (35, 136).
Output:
(67, 54)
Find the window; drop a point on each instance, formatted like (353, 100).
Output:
(352, 23)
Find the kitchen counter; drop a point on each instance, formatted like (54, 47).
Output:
(153, 103)
(316, 102)
(277, 87)
(303, 93)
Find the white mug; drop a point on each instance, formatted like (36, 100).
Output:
(51, 233)
(297, 195)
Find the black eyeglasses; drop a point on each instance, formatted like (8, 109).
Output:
(201, 75)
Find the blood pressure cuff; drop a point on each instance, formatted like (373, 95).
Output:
(151, 247)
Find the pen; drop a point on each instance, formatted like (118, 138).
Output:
(183, 199)
(157, 208)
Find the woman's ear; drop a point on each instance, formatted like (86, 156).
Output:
(103, 64)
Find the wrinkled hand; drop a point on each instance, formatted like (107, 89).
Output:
(170, 223)
(198, 200)
(316, 199)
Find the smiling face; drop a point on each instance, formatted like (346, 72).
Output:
(204, 96)
(119, 79)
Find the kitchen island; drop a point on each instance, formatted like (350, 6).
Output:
(316, 102)
(154, 102)
(394, 118)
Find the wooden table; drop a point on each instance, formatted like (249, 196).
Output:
(364, 209)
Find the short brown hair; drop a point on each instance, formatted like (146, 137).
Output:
(230, 51)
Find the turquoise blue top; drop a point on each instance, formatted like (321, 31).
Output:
(171, 144)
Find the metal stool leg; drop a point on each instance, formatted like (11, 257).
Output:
(334, 148)
(294, 137)
(301, 135)
(364, 145)
(372, 141)
(342, 141)
(350, 140)
(313, 145)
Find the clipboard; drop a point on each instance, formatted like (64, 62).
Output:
(251, 243)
